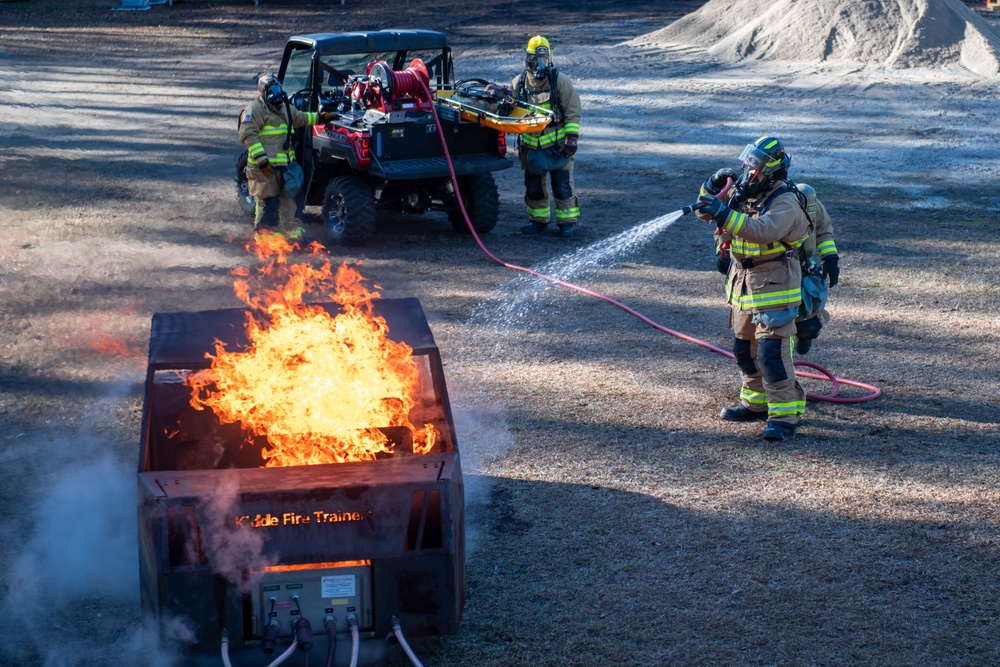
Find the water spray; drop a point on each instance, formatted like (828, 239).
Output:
(824, 374)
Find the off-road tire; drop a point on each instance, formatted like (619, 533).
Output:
(246, 201)
(349, 211)
(482, 203)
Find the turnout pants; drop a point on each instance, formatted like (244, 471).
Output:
(273, 207)
(536, 195)
(765, 359)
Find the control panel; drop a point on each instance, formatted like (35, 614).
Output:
(286, 593)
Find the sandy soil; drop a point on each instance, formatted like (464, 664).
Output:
(614, 518)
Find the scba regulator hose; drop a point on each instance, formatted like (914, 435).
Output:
(836, 382)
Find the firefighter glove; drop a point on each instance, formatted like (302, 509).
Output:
(714, 207)
(719, 178)
(265, 166)
(569, 145)
(831, 268)
(326, 115)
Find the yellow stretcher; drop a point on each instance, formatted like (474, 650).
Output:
(488, 106)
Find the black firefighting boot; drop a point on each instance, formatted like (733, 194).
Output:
(741, 413)
(778, 431)
(534, 228)
(566, 230)
(802, 345)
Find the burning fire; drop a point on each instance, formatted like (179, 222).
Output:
(317, 386)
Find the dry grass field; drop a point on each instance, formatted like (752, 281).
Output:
(613, 518)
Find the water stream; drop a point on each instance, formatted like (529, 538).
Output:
(520, 299)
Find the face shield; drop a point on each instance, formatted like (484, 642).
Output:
(758, 171)
(539, 62)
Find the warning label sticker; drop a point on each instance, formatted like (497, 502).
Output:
(339, 586)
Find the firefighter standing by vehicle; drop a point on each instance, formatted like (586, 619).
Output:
(265, 129)
(764, 218)
(552, 151)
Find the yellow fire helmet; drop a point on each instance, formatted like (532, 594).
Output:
(538, 56)
(537, 41)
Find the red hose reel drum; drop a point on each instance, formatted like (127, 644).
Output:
(409, 85)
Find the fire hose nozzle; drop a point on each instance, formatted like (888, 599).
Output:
(700, 205)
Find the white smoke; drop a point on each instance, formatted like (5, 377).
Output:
(71, 594)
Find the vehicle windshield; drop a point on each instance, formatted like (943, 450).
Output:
(337, 69)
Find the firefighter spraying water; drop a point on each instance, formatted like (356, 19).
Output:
(777, 255)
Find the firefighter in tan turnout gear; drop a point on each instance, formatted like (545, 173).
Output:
(765, 221)
(266, 130)
(823, 259)
(552, 151)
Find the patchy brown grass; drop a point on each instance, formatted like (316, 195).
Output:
(612, 518)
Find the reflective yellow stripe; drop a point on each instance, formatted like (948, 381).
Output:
(734, 222)
(537, 212)
(827, 248)
(565, 214)
(548, 137)
(751, 396)
(793, 408)
(766, 300)
(283, 158)
(271, 130)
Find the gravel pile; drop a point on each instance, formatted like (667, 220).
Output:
(881, 33)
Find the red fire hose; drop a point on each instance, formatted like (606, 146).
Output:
(825, 374)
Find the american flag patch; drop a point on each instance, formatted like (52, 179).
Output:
(246, 116)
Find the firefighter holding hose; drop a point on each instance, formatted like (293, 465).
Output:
(771, 239)
(552, 151)
(265, 128)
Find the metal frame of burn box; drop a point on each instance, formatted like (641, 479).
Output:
(372, 539)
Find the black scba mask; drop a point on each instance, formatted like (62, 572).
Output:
(752, 182)
(274, 94)
(538, 62)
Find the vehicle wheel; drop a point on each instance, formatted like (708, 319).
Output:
(482, 203)
(349, 211)
(246, 201)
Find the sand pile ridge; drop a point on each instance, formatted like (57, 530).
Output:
(883, 33)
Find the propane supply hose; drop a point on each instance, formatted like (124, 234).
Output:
(225, 648)
(330, 623)
(352, 622)
(284, 656)
(826, 375)
(398, 630)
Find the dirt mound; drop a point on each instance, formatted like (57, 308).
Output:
(883, 33)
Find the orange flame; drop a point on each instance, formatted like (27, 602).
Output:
(319, 387)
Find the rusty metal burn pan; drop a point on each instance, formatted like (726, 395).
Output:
(227, 544)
